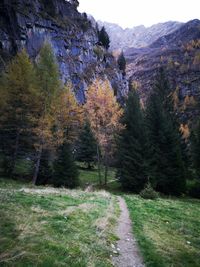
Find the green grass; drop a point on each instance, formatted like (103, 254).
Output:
(167, 230)
(88, 177)
(43, 226)
(6, 183)
(91, 177)
(55, 227)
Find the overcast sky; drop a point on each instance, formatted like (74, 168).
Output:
(129, 13)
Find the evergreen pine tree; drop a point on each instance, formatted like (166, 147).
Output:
(166, 166)
(104, 39)
(196, 149)
(87, 146)
(122, 63)
(65, 170)
(131, 148)
(46, 170)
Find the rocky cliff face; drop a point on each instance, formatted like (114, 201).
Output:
(27, 23)
(179, 54)
(139, 36)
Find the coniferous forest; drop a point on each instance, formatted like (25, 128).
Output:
(44, 126)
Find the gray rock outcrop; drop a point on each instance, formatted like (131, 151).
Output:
(27, 23)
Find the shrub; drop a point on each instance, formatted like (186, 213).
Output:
(99, 52)
(148, 192)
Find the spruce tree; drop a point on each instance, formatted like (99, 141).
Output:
(104, 39)
(122, 63)
(46, 170)
(166, 166)
(132, 168)
(65, 169)
(196, 149)
(87, 146)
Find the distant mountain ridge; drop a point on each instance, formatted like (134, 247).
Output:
(172, 45)
(187, 32)
(179, 54)
(138, 36)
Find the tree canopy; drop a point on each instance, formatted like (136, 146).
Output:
(104, 39)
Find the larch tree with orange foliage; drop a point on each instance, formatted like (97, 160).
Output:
(103, 113)
(49, 85)
(69, 116)
(69, 119)
(19, 93)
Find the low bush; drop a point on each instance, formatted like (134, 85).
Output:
(99, 51)
(148, 192)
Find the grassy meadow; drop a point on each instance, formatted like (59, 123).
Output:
(91, 177)
(44, 226)
(55, 227)
(167, 230)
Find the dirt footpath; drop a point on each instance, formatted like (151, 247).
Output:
(128, 253)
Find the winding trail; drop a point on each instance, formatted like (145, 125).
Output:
(129, 255)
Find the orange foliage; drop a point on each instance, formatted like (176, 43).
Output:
(194, 44)
(61, 123)
(103, 112)
(196, 60)
(176, 98)
(43, 132)
(184, 129)
(189, 101)
(69, 116)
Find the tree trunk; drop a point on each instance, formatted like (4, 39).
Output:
(37, 167)
(106, 170)
(99, 169)
(106, 174)
(89, 167)
(12, 168)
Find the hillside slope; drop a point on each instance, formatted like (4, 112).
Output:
(179, 54)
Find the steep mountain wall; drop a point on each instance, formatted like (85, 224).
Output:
(27, 23)
(179, 54)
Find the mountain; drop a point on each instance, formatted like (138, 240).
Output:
(139, 36)
(27, 23)
(179, 54)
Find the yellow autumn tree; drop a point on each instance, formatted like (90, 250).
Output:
(49, 85)
(59, 115)
(69, 116)
(19, 91)
(103, 113)
(68, 122)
